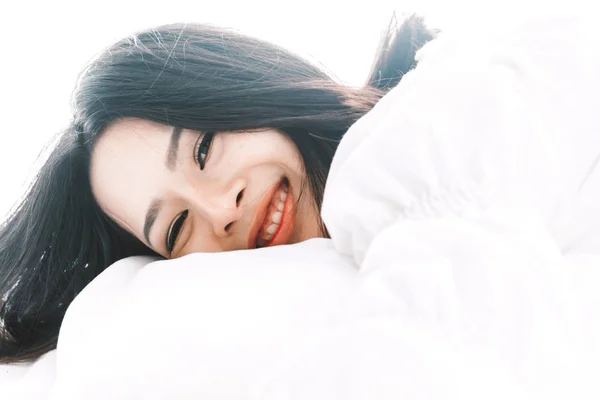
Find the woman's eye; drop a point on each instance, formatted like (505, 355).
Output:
(175, 230)
(204, 149)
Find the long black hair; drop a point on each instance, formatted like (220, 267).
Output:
(195, 77)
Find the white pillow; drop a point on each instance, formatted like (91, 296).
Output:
(191, 326)
(291, 322)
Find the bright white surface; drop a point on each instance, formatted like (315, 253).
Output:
(474, 206)
(28, 382)
(285, 322)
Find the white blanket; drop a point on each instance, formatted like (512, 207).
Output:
(465, 260)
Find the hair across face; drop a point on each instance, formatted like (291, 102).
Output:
(180, 191)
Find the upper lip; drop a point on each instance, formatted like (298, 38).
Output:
(261, 214)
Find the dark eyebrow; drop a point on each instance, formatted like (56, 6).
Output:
(171, 160)
(151, 215)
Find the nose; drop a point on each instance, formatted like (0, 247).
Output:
(222, 208)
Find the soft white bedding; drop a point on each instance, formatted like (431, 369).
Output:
(289, 322)
(465, 259)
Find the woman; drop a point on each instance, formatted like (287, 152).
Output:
(185, 138)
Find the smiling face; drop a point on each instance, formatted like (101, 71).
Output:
(181, 191)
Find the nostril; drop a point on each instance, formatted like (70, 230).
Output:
(228, 226)
(238, 199)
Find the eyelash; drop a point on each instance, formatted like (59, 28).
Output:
(174, 231)
(203, 147)
(201, 152)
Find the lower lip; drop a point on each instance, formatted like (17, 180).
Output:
(288, 221)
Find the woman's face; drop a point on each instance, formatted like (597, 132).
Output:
(182, 192)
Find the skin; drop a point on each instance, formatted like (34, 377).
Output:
(131, 169)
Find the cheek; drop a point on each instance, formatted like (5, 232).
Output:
(266, 148)
(286, 153)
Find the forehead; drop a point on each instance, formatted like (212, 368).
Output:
(128, 165)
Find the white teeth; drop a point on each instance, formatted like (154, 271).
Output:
(272, 229)
(276, 218)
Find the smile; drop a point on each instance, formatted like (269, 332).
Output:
(274, 221)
